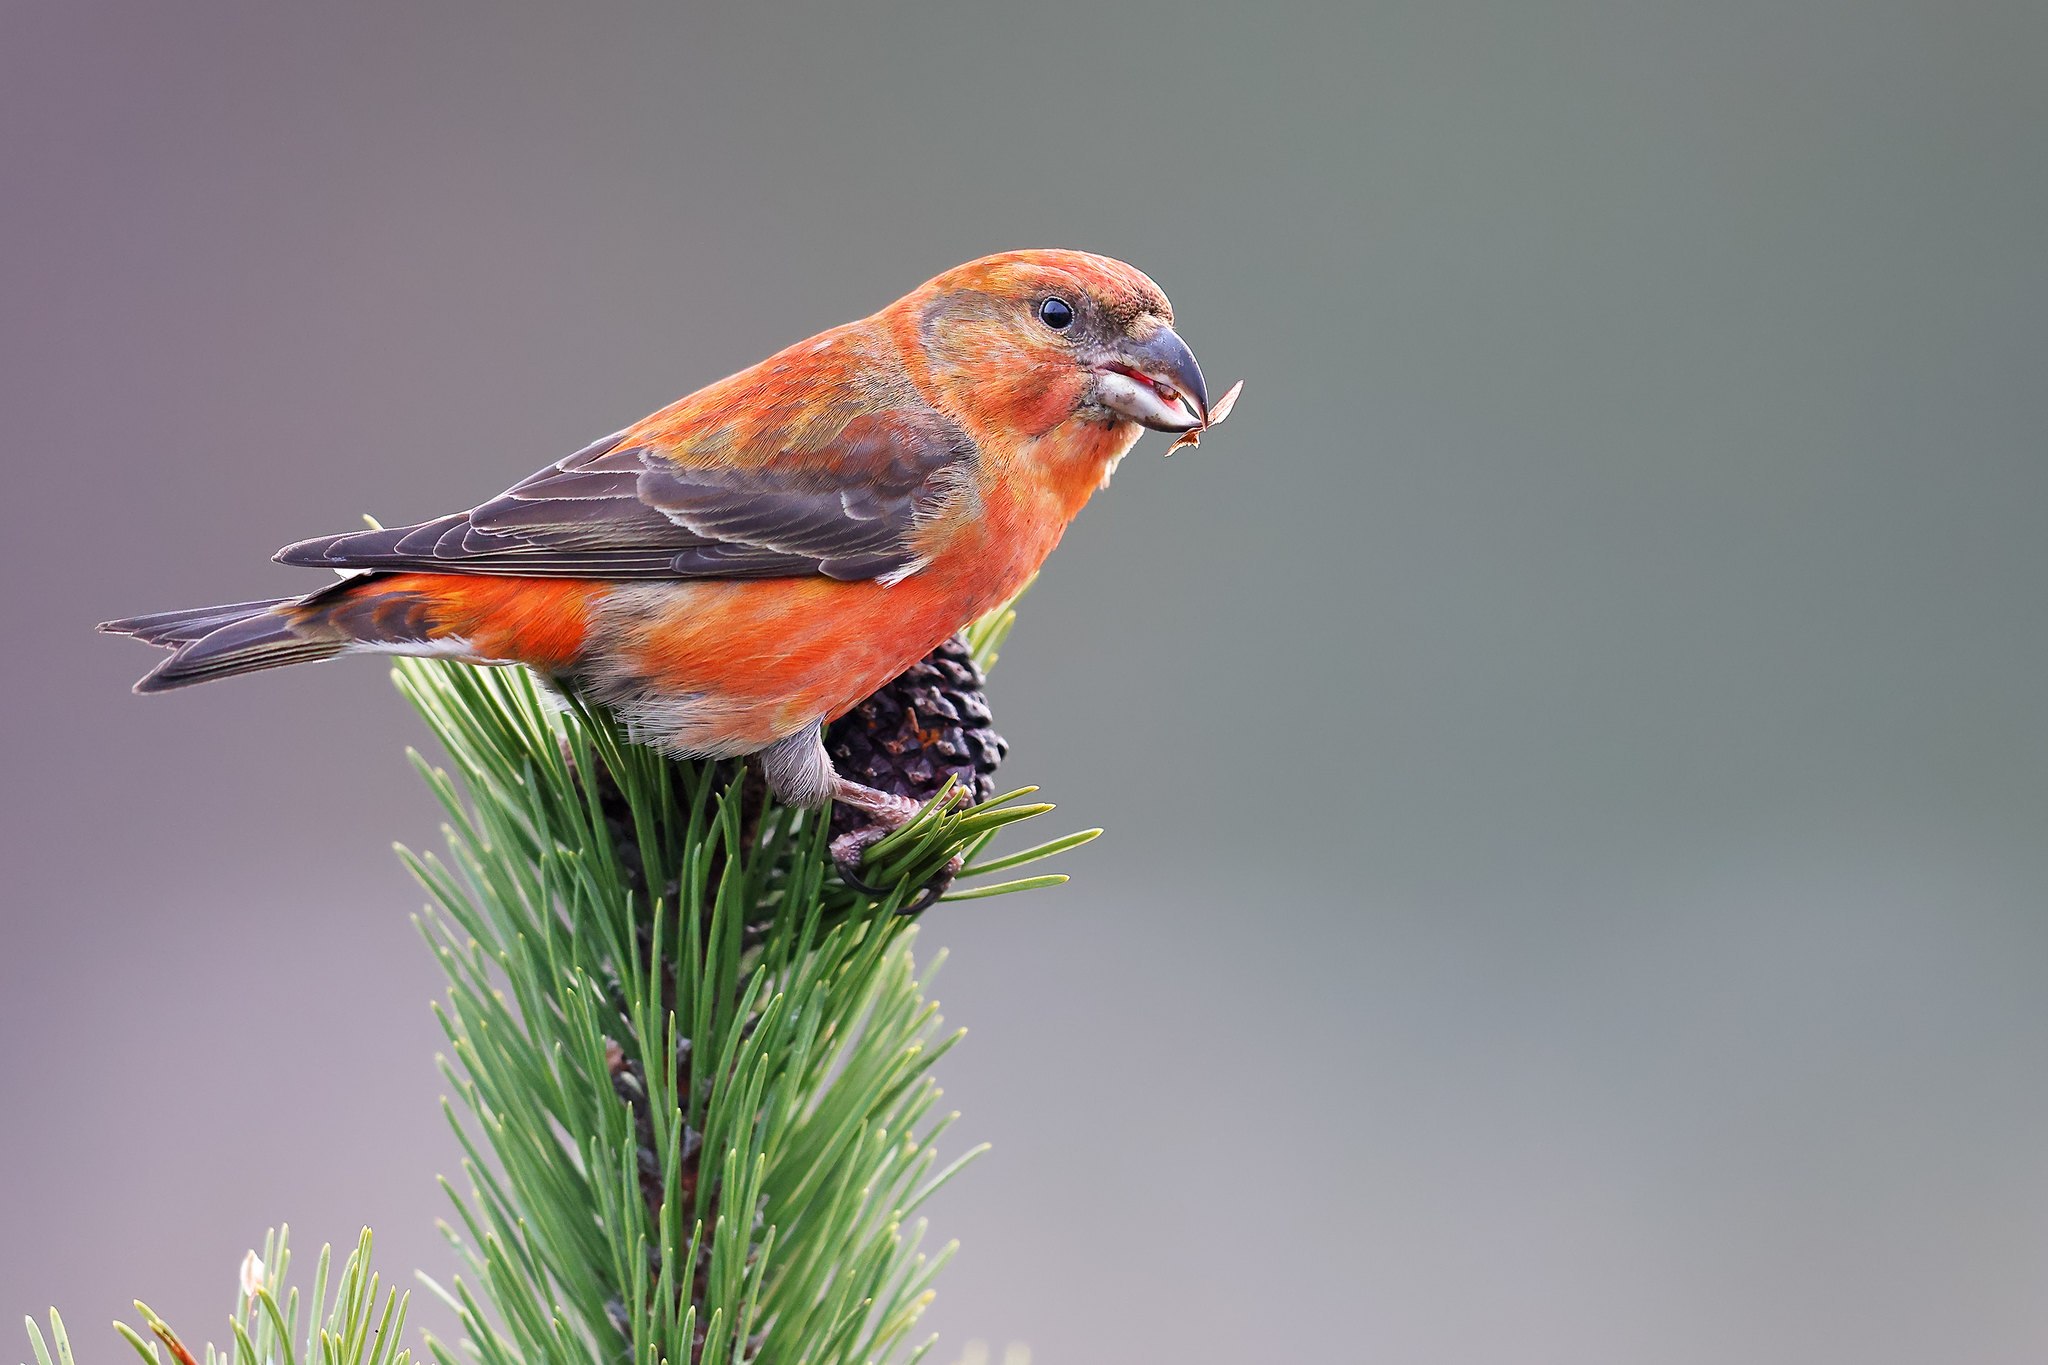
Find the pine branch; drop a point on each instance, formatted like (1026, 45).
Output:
(768, 1032)
(689, 1066)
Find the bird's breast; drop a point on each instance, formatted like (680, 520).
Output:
(1022, 497)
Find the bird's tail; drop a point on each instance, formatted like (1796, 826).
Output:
(219, 642)
(243, 637)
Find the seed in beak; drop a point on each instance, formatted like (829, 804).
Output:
(1193, 435)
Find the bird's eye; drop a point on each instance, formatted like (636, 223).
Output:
(1056, 313)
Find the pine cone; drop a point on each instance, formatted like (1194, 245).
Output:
(931, 723)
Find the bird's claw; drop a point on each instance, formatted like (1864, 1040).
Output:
(849, 849)
(941, 882)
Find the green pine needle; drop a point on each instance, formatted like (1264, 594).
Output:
(1032, 854)
(974, 893)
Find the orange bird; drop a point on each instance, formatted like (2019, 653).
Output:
(745, 565)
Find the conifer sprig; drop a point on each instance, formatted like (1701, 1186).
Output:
(786, 1077)
(689, 1066)
(353, 1325)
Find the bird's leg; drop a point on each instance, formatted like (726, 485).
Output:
(800, 773)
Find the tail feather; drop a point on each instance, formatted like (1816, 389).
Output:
(262, 637)
(172, 628)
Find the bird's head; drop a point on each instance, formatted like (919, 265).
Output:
(1021, 342)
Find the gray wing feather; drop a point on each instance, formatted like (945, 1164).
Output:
(622, 510)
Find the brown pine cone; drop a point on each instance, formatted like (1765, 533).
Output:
(931, 723)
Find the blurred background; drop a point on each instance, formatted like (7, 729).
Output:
(1575, 747)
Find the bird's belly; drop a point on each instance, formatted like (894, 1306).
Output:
(715, 669)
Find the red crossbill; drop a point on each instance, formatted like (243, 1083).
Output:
(750, 562)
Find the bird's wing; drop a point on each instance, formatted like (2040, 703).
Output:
(819, 461)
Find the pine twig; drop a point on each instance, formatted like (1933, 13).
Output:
(690, 1068)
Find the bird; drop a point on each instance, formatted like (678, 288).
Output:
(736, 570)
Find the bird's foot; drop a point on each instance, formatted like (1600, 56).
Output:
(885, 813)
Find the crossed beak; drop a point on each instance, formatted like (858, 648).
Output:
(1155, 381)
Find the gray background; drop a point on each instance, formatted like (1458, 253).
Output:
(1576, 745)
